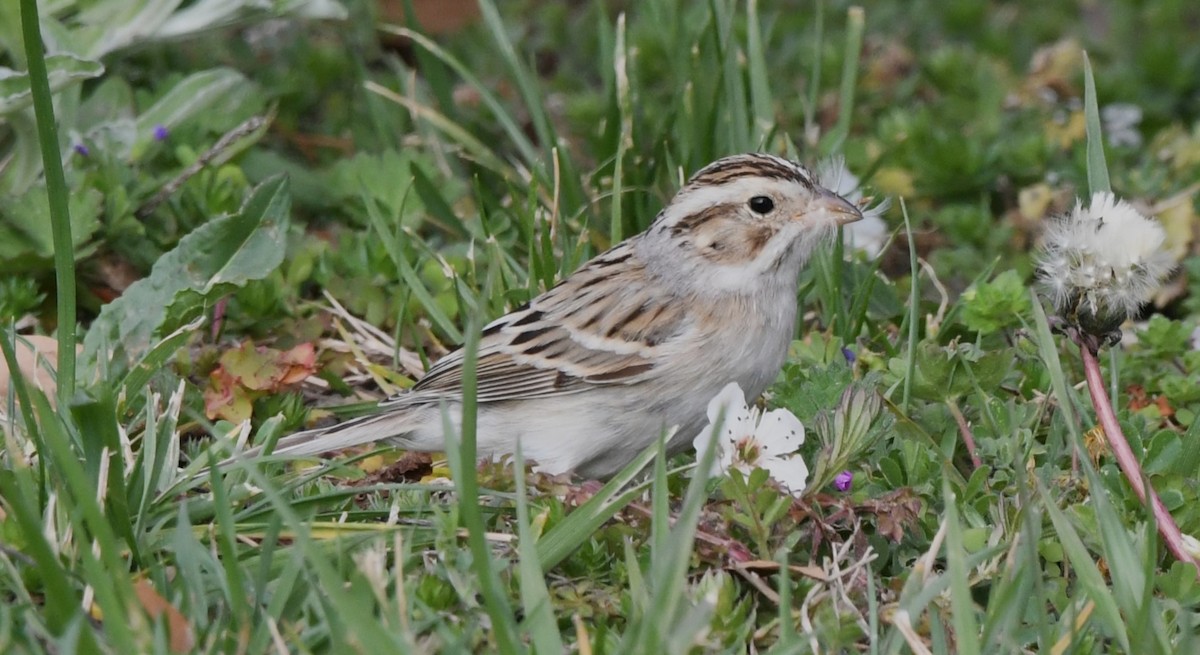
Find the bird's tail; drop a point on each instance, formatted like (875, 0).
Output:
(355, 432)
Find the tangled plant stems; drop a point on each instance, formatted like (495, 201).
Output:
(1099, 265)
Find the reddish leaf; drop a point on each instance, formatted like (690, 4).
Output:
(248, 372)
(225, 398)
(180, 637)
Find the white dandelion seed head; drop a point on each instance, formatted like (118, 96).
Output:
(833, 174)
(1102, 262)
(869, 235)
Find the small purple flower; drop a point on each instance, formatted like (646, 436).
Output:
(843, 481)
(160, 132)
(82, 150)
(849, 355)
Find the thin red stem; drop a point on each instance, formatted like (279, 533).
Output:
(1125, 459)
(964, 429)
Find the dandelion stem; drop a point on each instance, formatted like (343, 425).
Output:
(1125, 459)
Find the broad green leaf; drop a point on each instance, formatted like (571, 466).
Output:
(206, 14)
(103, 27)
(992, 306)
(210, 90)
(25, 240)
(209, 263)
(63, 70)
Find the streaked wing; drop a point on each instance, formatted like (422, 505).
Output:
(577, 335)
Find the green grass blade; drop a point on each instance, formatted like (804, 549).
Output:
(354, 610)
(1131, 573)
(1097, 168)
(526, 83)
(535, 597)
(463, 460)
(813, 94)
(734, 112)
(625, 135)
(21, 389)
(391, 242)
(56, 189)
(579, 526)
(20, 495)
(660, 509)
(966, 629)
(225, 534)
(914, 312)
(1048, 351)
(476, 148)
(760, 86)
(669, 569)
(855, 20)
(1089, 576)
(509, 124)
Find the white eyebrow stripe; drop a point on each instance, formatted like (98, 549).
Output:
(741, 190)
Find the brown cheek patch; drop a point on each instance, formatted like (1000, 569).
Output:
(759, 236)
(732, 242)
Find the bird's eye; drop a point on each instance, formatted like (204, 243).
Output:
(761, 205)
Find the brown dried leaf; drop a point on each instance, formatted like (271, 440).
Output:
(894, 512)
(181, 638)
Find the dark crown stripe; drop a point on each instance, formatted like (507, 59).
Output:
(729, 169)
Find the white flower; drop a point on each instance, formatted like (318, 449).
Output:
(869, 235)
(750, 439)
(1102, 262)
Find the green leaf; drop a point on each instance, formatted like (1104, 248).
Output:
(940, 372)
(209, 263)
(207, 14)
(990, 306)
(1097, 169)
(219, 89)
(26, 243)
(63, 70)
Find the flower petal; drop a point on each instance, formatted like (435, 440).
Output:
(729, 408)
(731, 398)
(791, 472)
(701, 444)
(779, 432)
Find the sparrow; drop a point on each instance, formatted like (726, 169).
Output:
(638, 340)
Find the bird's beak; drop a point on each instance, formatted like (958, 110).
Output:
(833, 207)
